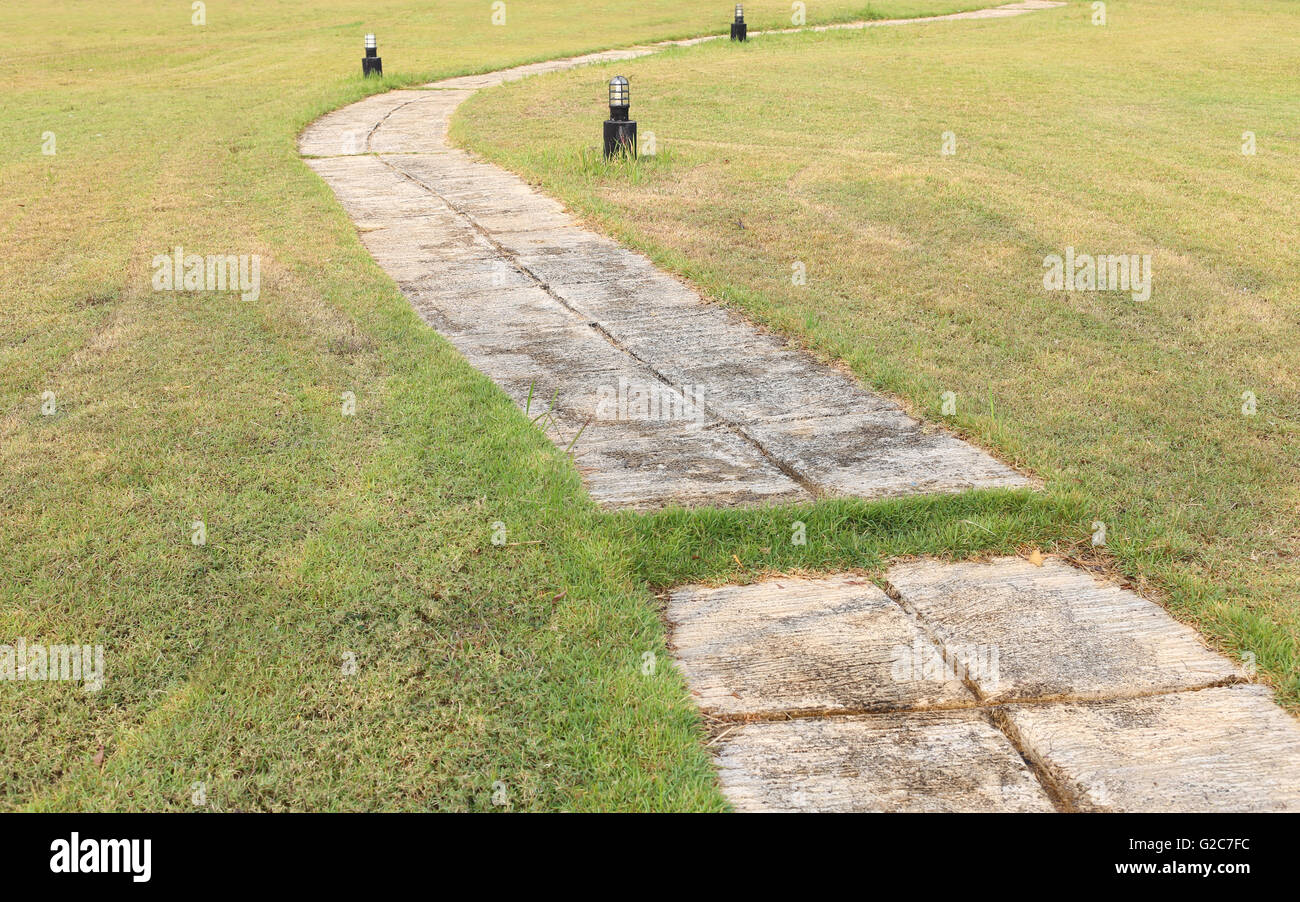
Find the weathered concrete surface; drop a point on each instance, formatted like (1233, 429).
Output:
(1054, 631)
(674, 400)
(949, 761)
(1124, 713)
(794, 645)
(1226, 749)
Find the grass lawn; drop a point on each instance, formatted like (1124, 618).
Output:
(925, 269)
(481, 670)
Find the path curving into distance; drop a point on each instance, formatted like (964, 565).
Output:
(678, 401)
(996, 686)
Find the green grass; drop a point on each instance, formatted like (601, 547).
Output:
(925, 270)
(327, 536)
(740, 546)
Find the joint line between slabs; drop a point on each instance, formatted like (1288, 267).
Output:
(1061, 799)
(780, 716)
(995, 714)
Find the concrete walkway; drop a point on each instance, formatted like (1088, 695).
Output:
(673, 400)
(961, 687)
(999, 686)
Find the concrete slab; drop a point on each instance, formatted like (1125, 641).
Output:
(571, 261)
(929, 762)
(419, 125)
(881, 454)
(801, 646)
(648, 465)
(493, 312)
(346, 131)
(613, 299)
(370, 190)
(1055, 631)
(1215, 750)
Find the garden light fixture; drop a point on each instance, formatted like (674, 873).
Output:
(739, 30)
(620, 132)
(371, 64)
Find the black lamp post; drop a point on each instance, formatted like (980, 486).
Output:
(620, 132)
(739, 30)
(371, 64)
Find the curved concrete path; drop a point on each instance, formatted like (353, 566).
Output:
(672, 399)
(965, 687)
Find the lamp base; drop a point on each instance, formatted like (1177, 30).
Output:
(372, 65)
(739, 31)
(620, 138)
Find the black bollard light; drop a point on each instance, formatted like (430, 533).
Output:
(739, 30)
(620, 132)
(371, 64)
